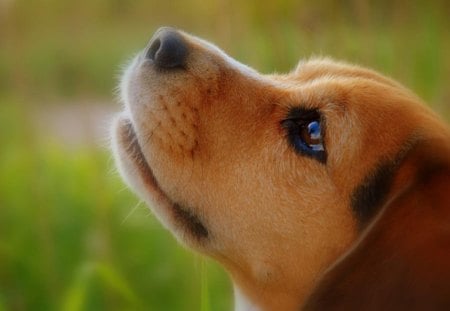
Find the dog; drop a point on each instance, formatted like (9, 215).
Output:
(327, 188)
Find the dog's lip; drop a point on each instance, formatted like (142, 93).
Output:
(179, 214)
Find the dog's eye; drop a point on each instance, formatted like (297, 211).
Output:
(311, 135)
(305, 133)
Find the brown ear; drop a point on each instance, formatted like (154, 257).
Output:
(402, 260)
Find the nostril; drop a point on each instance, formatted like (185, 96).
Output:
(168, 50)
(154, 47)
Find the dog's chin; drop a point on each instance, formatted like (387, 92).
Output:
(134, 168)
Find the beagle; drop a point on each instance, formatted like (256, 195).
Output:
(324, 188)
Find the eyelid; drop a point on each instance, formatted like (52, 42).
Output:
(303, 114)
(288, 123)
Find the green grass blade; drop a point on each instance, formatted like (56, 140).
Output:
(204, 292)
(117, 282)
(76, 296)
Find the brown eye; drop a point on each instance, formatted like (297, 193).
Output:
(305, 133)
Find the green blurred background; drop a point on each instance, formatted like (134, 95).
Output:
(72, 237)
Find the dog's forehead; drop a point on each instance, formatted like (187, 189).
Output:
(314, 83)
(356, 103)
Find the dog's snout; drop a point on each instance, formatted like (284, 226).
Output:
(167, 49)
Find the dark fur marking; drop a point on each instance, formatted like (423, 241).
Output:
(370, 195)
(194, 225)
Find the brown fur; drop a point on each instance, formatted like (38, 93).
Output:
(212, 159)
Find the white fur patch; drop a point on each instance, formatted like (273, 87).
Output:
(242, 303)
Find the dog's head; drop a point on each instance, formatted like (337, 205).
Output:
(275, 176)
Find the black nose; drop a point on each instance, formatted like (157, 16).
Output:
(167, 49)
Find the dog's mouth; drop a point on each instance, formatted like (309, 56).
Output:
(175, 216)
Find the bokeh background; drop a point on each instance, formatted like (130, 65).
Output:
(72, 237)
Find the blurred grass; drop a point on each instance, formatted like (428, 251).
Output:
(66, 242)
(54, 48)
(70, 238)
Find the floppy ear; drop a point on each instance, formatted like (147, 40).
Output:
(402, 260)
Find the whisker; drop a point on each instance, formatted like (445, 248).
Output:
(138, 204)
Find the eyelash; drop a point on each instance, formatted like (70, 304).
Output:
(305, 133)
